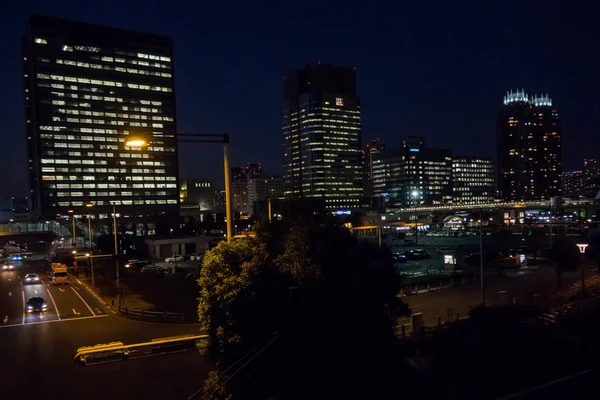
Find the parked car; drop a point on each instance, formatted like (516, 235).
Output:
(176, 258)
(418, 254)
(149, 268)
(136, 265)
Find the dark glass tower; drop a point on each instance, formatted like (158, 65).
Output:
(529, 148)
(321, 130)
(87, 88)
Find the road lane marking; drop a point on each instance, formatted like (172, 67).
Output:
(9, 294)
(86, 304)
(55, 308)
(35, 290)
(61, 289)
(75, 312)
(23, 293)
(55, 320)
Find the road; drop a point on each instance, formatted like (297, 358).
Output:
(522, 285)
(36, 352)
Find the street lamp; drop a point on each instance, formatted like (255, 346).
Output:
(143, 139)
(415, 195)
(73, 218)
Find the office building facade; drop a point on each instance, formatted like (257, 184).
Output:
(264, 188)
(413, 175)
(529, 153)
(473, 180)
(87, 89)
(573, 183)
(198, 192)
(321, 127)
(369, 150)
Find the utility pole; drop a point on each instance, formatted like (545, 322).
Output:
(116, 256)
(227, 186)
(91, 258)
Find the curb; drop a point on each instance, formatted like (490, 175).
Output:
(93, 293)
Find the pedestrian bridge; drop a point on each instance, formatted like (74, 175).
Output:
(496, 205)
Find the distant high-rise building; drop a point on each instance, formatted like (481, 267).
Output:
(240, 178)
(87, 88)
(573, 183)
(529, 148)
(264, 188)
(321, 129)
(591, 175)
(472, 180)
(369, 149)
(413, 175)
(219, 199)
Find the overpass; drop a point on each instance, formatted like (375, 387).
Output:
(572, 203)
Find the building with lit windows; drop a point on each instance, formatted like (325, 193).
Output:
(573, 183)
(472, 180)
(369, 149)
(529, 152)
(591, 176)
(264, 188)
(321, 129)
(87, 88)
(413, 175)
(198, 192)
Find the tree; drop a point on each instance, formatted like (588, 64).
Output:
(565, 256)
(237, 304)
(214, 387)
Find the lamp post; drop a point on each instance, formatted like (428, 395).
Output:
(415, 195)
(144, 139)
(91, 258)
(74, 237)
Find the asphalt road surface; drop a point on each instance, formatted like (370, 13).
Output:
(522, 286)
(37, 350)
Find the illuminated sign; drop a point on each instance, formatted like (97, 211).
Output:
(343, 212)
(339, 101)
(414, 150)
(582, 247)
(202, 184)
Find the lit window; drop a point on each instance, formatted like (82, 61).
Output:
(67, 48)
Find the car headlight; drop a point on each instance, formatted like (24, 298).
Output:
(127, 265)
(36, 279)
(30, 307)
(27, 280)
(44, 305)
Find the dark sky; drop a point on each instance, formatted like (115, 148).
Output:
(433, 68)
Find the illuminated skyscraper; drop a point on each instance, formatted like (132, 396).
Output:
(472, 180)
(529, 148)
(87, 88)
(369, 150)
(321, 129)
(573, 183)
(413, 175)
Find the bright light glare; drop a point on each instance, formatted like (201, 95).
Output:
(136, 143)
(415, 193)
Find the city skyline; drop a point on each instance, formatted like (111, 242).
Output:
(383, 101)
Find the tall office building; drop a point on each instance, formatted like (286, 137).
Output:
(87, 88)
(413, 175)
(573, 183)
(591, 176)
(321, 130)
(369, 149)
(472, 180)
(529, 148)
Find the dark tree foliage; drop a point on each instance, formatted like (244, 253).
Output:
(333, 297)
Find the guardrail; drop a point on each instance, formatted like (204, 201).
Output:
(117, 351)
(152, 314)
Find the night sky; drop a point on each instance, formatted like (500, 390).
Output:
(435, 68)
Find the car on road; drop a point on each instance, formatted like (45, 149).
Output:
(149, 268)
(417, 254)
(32, 278)
(36, 304)
(399, 258)
(174, 258)
(8, 267)
(136, 265)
